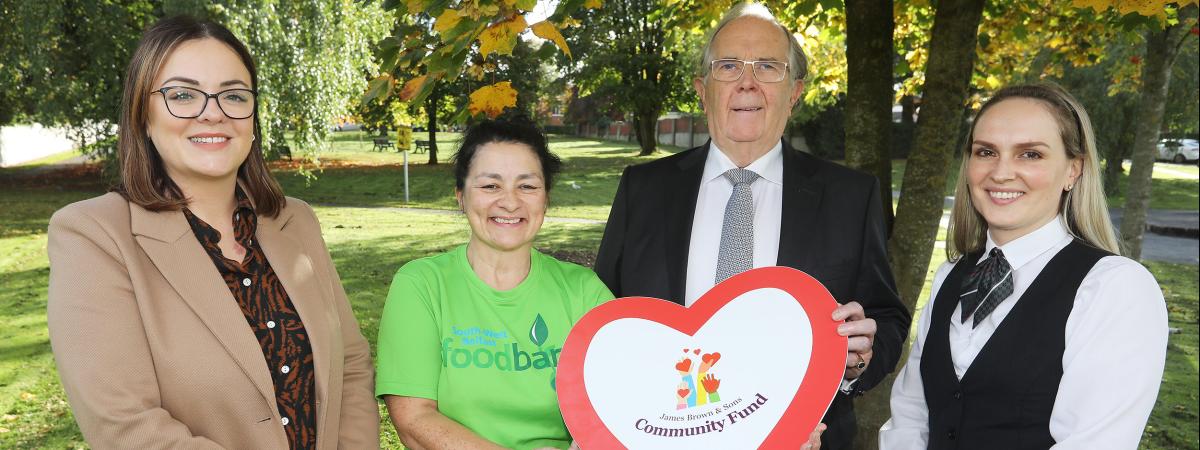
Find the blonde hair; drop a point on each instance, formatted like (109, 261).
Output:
(1084, 208)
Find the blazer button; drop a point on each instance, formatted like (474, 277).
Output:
(950, 434)
(958, 395)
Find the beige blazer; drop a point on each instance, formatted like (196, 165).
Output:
(154, 352)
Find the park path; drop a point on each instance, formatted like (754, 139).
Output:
(1176, 172)
(23, 143)
(1172, 236)
(449, 212)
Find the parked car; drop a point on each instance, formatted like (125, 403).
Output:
(1179, 150)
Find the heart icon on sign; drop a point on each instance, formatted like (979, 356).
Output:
(683, 366)
(781, 364)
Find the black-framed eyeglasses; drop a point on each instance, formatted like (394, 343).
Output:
(189, 103)
(764, 71)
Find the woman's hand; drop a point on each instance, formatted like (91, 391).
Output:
(574, 446)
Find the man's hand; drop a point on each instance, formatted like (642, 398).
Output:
(861, 333)
(814, 439)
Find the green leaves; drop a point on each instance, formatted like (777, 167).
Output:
(63, 63)
(380, 86)
(313, 60)
(526, 5)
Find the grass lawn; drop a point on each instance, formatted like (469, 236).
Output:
(369, 238)
(585, 189)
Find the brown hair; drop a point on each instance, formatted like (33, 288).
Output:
(1084, 210)
(144, 180)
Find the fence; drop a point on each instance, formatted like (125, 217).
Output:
(673, 129)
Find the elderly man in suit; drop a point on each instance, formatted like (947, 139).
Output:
(746, 199)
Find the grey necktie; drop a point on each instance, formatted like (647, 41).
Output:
(988, 285)
(737, 232)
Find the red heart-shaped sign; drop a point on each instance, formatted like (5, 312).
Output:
(781, 364)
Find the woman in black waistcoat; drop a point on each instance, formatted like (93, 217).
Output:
(1037, 335)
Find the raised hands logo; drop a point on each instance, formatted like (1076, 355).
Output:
(686, 394)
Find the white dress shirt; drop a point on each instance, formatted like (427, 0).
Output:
(1116, 340)
(714, 194)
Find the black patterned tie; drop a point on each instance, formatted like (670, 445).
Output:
(736, 254)
(988, 285)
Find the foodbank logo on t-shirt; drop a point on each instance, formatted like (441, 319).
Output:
(497, 349)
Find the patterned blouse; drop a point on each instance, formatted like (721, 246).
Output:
(275, 322)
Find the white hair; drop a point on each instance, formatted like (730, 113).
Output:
(797, 62)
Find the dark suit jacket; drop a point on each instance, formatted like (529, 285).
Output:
(831, 227)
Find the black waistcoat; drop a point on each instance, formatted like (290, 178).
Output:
(1005, 398)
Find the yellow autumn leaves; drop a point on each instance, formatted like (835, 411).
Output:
(501, 37)
(497, 38)
(492, 100)
(1148, 8)
(549, 32)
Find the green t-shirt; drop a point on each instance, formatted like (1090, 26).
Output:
(488, 357)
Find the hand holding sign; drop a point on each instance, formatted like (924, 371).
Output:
(771, 330)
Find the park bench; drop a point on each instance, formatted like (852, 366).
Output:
(381, 144)
(422, 146)
(284, 151)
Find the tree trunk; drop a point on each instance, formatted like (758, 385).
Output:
(948, 76)
(908, 108)
(1116, 156)
(902, 136)
(431, 108)
(869, 53)
(1161, 48)
(645, 125)
(276, 146)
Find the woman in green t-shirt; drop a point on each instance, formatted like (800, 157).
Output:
(470, 339)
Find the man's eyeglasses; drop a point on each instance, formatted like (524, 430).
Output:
(189, 103)
(764, 71)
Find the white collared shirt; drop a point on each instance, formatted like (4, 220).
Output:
(714, 193)
(1116, 339)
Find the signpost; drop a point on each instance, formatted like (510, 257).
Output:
(404, 142)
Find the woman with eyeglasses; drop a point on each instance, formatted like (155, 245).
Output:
(196, 306)
(1037, 334)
